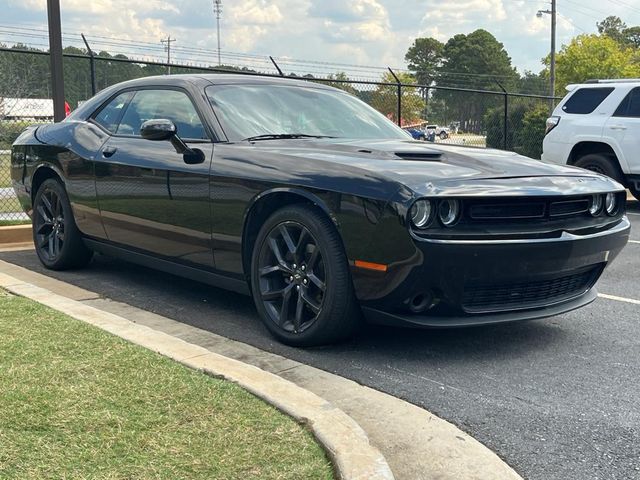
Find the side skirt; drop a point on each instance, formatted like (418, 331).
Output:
(204, 276)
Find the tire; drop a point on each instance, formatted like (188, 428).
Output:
(443, 135)
(300, 279)
(56, 237)
(603, 164)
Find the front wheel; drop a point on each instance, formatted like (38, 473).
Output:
(603, 164)
(300, 279)
(58, 242)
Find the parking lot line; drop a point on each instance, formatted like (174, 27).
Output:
(633, 213)
(619, 299)
(634, 241)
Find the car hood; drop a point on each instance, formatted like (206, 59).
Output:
(435, 168)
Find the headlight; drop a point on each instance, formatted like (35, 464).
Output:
(420, 213)
(449, 212)
(596, 205)
(611, 204)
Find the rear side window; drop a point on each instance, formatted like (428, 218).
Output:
(586, 100)
(630, 106)
(109, 116)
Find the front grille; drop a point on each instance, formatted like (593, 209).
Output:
(484, 298)
(526, 209)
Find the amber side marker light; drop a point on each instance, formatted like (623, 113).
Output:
(378, 267)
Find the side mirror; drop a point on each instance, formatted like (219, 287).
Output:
(163, 129)
(158, 129)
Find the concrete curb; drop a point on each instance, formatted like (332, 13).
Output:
(346, 443)
(18, 234)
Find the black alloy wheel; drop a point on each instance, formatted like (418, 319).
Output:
(292, 277)
(57, 240)
(49, 224)
(300, 279)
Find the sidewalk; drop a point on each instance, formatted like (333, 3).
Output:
(415, 443)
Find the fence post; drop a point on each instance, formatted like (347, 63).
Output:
(92, 64)
(399, 111)
(276, 65)
(505, 127)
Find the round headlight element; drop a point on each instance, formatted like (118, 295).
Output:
(610, 204)
(596, 205)
(420, 213)
(449, 212)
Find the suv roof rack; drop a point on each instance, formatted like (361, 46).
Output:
(614, 80)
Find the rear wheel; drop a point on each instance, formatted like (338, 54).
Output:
(603, 164)
(443, 135)
(56, 237)
(300, 279)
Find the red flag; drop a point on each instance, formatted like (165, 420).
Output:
(67, 109)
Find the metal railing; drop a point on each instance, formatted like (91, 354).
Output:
(471, 117)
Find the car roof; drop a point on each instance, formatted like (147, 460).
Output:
(222, 79)
(201, 80)
(616, 82)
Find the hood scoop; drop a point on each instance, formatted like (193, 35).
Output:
(420, 156)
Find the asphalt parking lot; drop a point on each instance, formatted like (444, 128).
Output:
(557, 398)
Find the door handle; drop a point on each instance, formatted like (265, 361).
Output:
(108, 151)
(617, 127)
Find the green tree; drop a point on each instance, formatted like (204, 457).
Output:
(613, 27)
(424, 57)
(479, 61)
(594, 56)
(632, 37)
(385, 99)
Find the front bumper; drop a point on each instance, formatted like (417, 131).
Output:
(474, 282)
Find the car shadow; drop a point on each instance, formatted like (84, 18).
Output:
(234, 316)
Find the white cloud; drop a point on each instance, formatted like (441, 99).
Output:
(372, 32)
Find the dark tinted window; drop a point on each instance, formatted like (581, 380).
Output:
(586, 100)
(110, 114)
(155, 104)
(630, 106)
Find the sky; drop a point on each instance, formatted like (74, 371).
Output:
(362, 32)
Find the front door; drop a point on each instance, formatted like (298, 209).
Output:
(149, 198)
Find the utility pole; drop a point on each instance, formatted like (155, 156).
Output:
(167, 49)
(552, 72)
(552, 67)
(217, 9)
(55, 58)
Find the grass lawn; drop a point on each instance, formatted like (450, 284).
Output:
(76, 402)
(5, 174)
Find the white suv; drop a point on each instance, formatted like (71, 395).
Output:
(597, 127)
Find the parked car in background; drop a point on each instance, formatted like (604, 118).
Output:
(416, 133)
(316, 205)
(440, 132)
(597, 126)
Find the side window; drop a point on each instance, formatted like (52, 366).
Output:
(630, 106)
(110, 114)
(586, 100)
(155, 104)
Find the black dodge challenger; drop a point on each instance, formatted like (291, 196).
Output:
(315, 204)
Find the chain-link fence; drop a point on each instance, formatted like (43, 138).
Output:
(438, 114)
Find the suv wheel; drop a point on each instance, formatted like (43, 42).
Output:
(300, 279)
(603, 164)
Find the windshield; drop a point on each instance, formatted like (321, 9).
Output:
(247, 111)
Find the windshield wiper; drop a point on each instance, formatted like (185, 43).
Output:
(279, 136)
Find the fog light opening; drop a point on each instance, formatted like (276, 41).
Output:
(420, 302)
